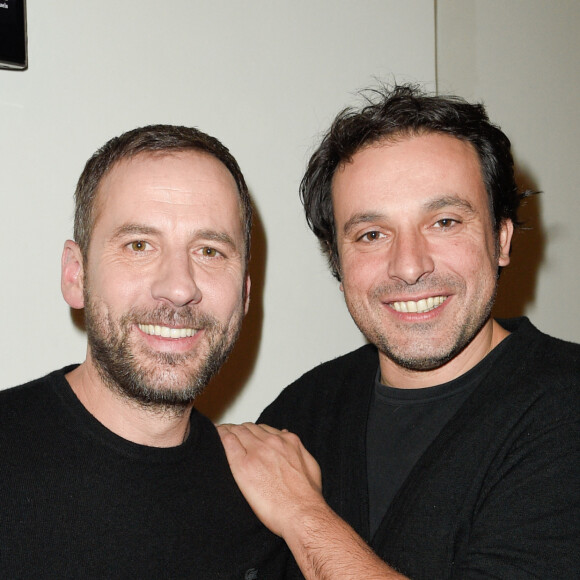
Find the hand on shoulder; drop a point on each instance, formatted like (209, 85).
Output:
(277, 475)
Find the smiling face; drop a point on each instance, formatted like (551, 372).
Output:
(164, 285)
(418, 255)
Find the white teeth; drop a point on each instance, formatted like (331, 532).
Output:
(420, 306)
(166, 331)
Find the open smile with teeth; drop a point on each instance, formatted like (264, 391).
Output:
(166, 331)
(420, 306)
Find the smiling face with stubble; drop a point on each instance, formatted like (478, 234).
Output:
(164, 284)
(417, 252)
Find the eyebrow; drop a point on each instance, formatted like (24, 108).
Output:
(429, 206)
(449, 201)
(130, 229)
(360, 218)
(214, 236)
(144, 230)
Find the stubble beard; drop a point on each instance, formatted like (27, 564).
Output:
(423, 355)
(160, 381)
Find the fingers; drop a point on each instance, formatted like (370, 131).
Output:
(252, 442)
(242, 441)
(235, 440)
(261, 447)
(249, 434)
(272, 469)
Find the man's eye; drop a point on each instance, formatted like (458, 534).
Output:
(139, 246)
(446, 223)
(371, 236)
(209, 252)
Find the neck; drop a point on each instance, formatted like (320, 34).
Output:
(490, 335)
(128, 419)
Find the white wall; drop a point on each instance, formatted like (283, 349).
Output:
(522, 59)
(264, 76)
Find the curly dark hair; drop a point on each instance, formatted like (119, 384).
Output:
(162, 139)
(405, 110)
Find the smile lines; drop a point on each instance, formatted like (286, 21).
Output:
(420, 306)
(166, 331)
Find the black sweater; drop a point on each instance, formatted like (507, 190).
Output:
(496, 495)
(77, 501)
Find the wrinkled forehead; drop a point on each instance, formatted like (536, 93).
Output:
(434, 140)
(409, 174)
(143, 169)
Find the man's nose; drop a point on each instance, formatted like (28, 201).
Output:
(410, 257)
(175, 281)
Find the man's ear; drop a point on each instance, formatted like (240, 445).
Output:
(247, 294)
(506, 231)
(72, 275)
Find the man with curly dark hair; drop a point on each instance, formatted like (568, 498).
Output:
(449, 445)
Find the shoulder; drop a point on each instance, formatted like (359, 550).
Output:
(540, 359)
(361, 360)
(327, 385)
(528, 334)
(531, 390)
(30, 401)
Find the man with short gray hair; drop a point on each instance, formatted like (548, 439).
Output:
(107, 470)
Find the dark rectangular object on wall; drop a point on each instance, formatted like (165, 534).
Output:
(13, 34)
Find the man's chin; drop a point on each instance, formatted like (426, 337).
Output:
(426, 363)
(169, 383)
(159, 394)
(429, 358)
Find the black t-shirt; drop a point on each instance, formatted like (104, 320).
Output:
(78, 501)
(403, 423)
